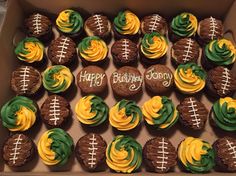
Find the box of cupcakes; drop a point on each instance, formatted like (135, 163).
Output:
(118, 87)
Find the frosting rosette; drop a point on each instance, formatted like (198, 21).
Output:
(29, 50)
(220, 52)
(69, 21)
(19, 114)
(154, 45)
(93, 49)
(125, 115)
(190, 78)
(196, 155)
(57, 78)
(91, 110)
(160, 112)
(55, 147)
(224, 113)
(126, 23)
(184, 25)
(124, 154)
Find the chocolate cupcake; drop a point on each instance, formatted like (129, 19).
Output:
(185, 50)
(225, 151)
(55, 111)
(192, 113)
(124, 52)
(98, 25)
(39, 26)
(25, 80)
(221, 82)
(90, 151)
(154, 23)
(210, 29)
(92, 80)
(126, 81)
(159, 155)
(62, 51)
(18, 150)
(158, 79)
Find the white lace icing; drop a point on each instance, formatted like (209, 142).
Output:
(16, 149)
(188, 50)
(154, 23)
(225, 83)
(125, 49)
(232, 150)
(64, 46)
(92, 149)
(54, 110)
(213, 28)
(163, 157)
(24, 80)
(37, 23)
(193, 110)
(98, 22)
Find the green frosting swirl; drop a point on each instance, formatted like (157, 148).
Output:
(86, 43)
(220, 52)
(196, 69)
(62, 144)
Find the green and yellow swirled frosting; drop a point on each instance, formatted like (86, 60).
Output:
(126, 23)
(69, 21)
(196, 155)
(160, 112)
(190, 78)
(225, 113)
(19, 114)
(220, 52)
(29, 50)
(91, 110)
(184, 25)
(125, 115)
(154, 45)
(93, 49)
(57, 78)
(124, 154)
(55, 147)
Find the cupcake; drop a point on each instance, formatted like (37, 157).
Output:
(19, 114)
(18, 150)
(125, 115)
(55, 147)
(93, 50)
(124, 154)
(223, 114)
(153, 48)
(124, 52)
(62, 51)
(189, 78)
(91, 110)
(183, 25)
(126, 25)
(39, 26)
(159, 155)
(154, 23)
(90, 151)
(221, 82)
(225, 154)
(185, 50)
(160, 112)
(98, 25)
(55, 111)
(70, 23)
(30, 50)
(196, 156)
(57, 78)
(210, 29)
(25, 80)
(192, 113)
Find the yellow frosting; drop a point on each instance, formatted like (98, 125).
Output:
(63, 75)
(132, 23)
(64, 18)
(231, 103)
(228, 44)
(194, 23)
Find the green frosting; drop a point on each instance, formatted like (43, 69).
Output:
(120, 22)
(62, 144)
(219, 55)
(8, 111)
(86, 43)
(196, 69)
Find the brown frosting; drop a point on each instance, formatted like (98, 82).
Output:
(192, 113)
(222, 81)
(90, 151)
(62, 50)
(154, 23)
(18, 150)
(185, 50)
(25, 80)
(55, 110)
(159, 154)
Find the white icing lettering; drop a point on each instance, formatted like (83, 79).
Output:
(166, 77)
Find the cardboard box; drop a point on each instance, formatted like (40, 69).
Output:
(11, 33)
